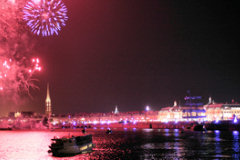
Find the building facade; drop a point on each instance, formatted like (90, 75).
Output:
(215, 112)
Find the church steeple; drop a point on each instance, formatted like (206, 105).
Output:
(48, 110)
(116, 110)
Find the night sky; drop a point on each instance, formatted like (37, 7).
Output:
(133, 53)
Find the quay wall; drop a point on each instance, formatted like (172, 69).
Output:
(143, 125)
(226, 125)
(221, 125)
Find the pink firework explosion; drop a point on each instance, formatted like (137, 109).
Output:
(17, 69)
(45, 17)
(16, 76)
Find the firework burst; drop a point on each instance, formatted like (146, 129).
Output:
(17, 69)
(16, 76)
(45, 17)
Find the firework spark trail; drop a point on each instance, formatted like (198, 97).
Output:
(45, 17)
(16, 68)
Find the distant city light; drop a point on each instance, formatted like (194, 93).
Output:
(54, 122)
(147, 108)
(167, 130)
(217, 131)
(165, 120)
(235, 119)
(235, 132)
(103, 122)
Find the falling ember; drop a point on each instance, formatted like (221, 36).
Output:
(45, 17)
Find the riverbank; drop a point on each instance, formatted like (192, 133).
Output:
(220, 125)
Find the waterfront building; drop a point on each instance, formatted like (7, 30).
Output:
(23, 114)
(193, 109)
(48, 107)
(220, 111)
(151, 116)
(173, 113)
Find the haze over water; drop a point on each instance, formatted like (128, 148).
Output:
(128, 144)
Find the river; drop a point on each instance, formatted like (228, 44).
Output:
(129, 144)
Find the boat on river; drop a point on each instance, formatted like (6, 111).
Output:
(6, 129)
(71, 146)
(195, 127)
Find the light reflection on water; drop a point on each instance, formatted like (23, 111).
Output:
(218, 149)
(126, 144)
(236, 144)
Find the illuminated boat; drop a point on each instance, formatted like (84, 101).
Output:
(71, 146)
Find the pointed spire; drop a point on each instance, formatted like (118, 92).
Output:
(175, 104)
(48, 94)
(116, 110)
(48, 110)
(210, 100)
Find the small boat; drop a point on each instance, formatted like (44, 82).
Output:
(6, 129)
(71, 146)
(199, 127)
(195, 127)
(109, 131)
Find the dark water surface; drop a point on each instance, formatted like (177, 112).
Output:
(130, 144)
